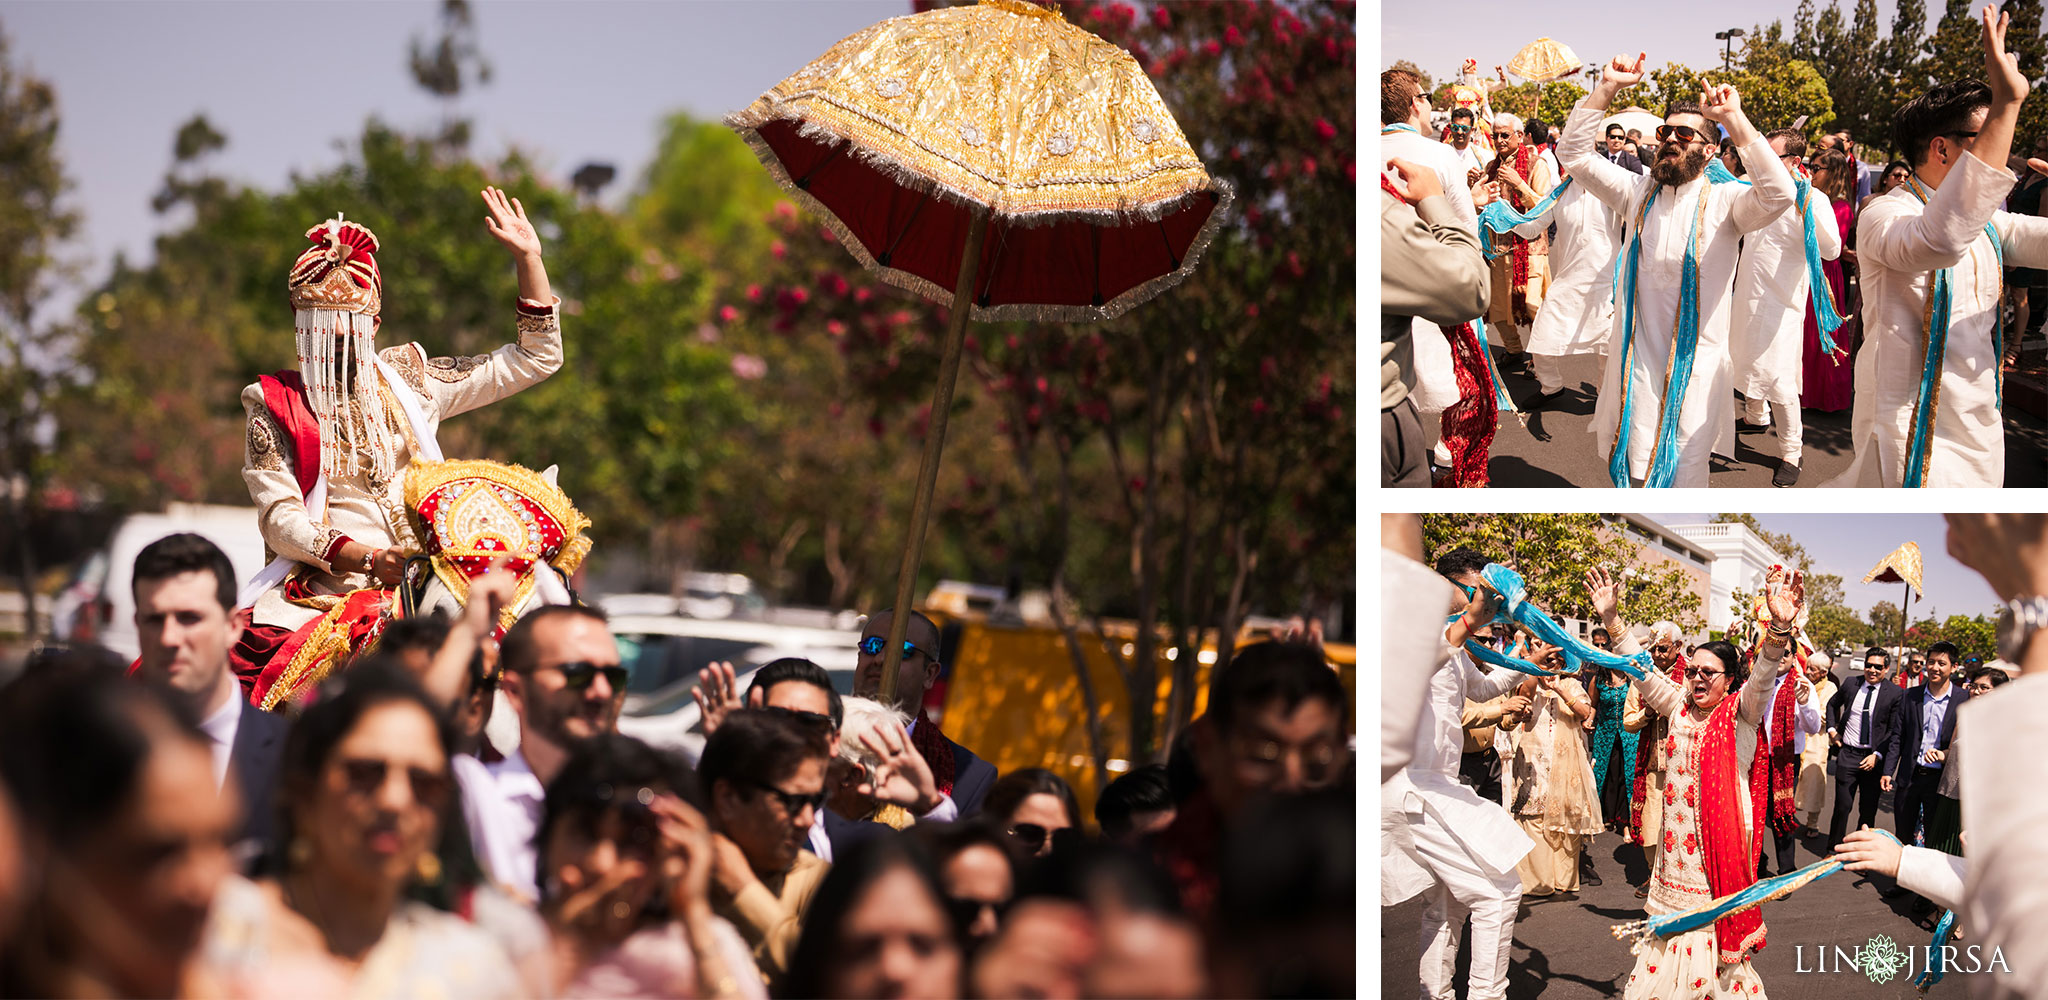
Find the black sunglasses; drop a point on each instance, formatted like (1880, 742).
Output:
(366, 775)
(1030, 834)
(1702, 672)
(790, 801)
(577, 676)
(1683, 133)
(874, 644)
(815, 719)
(966, 911)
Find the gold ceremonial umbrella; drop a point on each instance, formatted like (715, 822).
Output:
(1902, 566)
(1000, 160)
(1544, 60)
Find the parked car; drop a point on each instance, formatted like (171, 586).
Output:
(663, 654)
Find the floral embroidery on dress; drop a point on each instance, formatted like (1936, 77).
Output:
(406, 362)
(263, 450)
(536, 325)
(1692, 844)
(457, 369)
(1671, 841)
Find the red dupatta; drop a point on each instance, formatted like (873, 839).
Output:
(1729, 849)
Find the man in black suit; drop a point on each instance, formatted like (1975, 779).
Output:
(959, 772)
(1927, 723)
(1863, 721)
(185, 618)
(1617, 150)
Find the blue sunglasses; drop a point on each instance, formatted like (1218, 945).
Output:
(874, 644)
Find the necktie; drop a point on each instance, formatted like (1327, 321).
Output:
(1869, 695)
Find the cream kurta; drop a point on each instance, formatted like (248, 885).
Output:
(1706, 422)
(1428, 790)
(1687, 965)
(360, 506)
(1436, 380)
(1899, 244)
(1812, 789)
(1771, 298)
(1577, 315)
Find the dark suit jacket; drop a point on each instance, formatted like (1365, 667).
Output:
(972, 777)
(845, 833)
(1906, 738)
(1627, 160)
(254, 762)
(1884, 719)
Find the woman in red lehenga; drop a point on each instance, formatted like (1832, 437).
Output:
(1828, 381)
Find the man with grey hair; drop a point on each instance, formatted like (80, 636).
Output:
(1521, 272)
(1646, 807)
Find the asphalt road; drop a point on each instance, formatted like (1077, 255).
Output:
(1554, 446)
(1563, 949)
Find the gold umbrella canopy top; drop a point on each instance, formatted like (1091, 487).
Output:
(1097, 201)
(1902, 566)
(1544, 60)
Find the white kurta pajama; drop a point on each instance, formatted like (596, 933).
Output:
(1706, 415)
(365, 507)
(1437, 836)
(1577, 315)
(1899, 244)
(1436, 378)
(1772, 293)
(1688, 964)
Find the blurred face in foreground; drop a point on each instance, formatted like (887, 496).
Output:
(1273, 748)
(581, 854)
(138, 887)
(897, 942)
(376, 804)
(760, 821)
(979, 878)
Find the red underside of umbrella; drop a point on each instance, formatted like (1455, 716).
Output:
(1076, 263)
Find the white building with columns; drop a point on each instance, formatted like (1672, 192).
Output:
(1741, 559)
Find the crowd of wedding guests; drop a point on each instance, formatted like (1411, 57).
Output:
(161, 836)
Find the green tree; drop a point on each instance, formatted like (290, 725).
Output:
(1428, 84)
(35, 224)
(1834, 626)
(1553, 553)
(1956, 51)
(1973, 635)
(1778, 87)
(446, 65)
(1885, 621)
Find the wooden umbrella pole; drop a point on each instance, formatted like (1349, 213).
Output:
(1905, 616)
(928, 466)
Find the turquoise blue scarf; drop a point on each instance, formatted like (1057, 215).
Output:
(1826, 316)
(1667, 925)
(1920, 445)
(1685, 335)
(1499, 217)
(1516, 610)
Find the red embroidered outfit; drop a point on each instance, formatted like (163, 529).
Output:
(1711, 842)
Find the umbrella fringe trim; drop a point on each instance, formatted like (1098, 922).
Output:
(748, 122)
(1017, 311)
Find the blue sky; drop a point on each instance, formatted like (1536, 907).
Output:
(1848, 545)
(1440, 39)
(289, 82)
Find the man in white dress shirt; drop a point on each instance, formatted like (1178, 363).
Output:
(185, 594)
(1956, 137)
(1681, 200)
(1806, 718)
(564, 679)
(1438, 836)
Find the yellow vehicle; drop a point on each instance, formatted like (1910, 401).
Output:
(1012, 696)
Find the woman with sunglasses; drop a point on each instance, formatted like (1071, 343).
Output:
(625, 875)
(1709, 831)
(365, 783)
(1670, 349)
(1033, 803)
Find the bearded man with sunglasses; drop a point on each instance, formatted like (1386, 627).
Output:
(1667, 398)
(957, 772)
(1929, 379)
(563, 677)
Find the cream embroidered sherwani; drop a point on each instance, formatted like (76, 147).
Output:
(1706, 421)
(362, 507)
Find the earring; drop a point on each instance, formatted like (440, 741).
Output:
(429, 868)
(298, 852)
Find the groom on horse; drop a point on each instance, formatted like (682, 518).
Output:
(330, 445)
